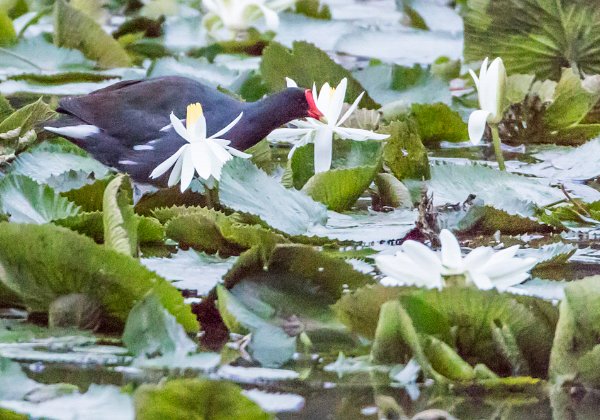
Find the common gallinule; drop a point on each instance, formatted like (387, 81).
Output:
(126, 125)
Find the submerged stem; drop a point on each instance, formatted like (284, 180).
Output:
(212, 198)
(497, 147)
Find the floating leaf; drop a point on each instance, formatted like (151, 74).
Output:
(575, 352)
(74, 29)
(198, 69)
(151, 331)
(438, 122)
(184, 399)
(105, 401)
(391, 192)
(404, 152)
(339, 189)
(120, 222)
(191, 270)
(467, 321)
(245, 188)
(37, 54)
(399, 87)
(534, 37)
(7, 30)
(313, 9)
(307, 64)
(58, 261)
(269, 345)
(26, 201)
(149, 230)
(27, 118)
(55, 168)
(511, 193)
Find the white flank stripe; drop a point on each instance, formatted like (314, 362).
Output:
(143, 147)
(81, 132)
(127, 162)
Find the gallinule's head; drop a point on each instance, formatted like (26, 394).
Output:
(300, 103)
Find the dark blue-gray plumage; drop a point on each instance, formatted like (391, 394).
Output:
(126, 125)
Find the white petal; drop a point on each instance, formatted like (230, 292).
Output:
(175, 176)
(510, 281)
(483, 70)
(489, 92)
(350, 110)
(271, 17)
(477, 121)
(358, 134)
(210, 5)
(478, 257)
(187, 170)
(475, 78)
(235, 152)
(179, 127)
(199, 129)
(288, 134)
(323, 149)
(422, 255)
(451, 254)
(324, 98)
(229, 127)
(201, 158)
(290, 82)
(337, 102)
(508, 268)
(480, 280)
(164, 167)
(219, 152)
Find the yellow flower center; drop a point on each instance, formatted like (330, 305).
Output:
(194, 112)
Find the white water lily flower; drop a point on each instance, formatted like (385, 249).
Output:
(203, 155)
(417, 265)
(239, 15)
(330, 102)
(491, 89)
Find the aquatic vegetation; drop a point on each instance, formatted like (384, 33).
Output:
(336, 251)
(203, 155)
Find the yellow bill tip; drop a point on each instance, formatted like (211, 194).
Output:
(194, 112)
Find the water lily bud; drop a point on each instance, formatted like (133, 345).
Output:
(491, 88)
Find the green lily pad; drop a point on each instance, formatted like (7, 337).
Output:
(37, 54)
(184, 399)
(27, 118)
(149, 230)
(151, 331)
(404, 152)
(7, 30)
(26, 201)
(120, 222)
(438, 122)
(554, 35)
(61, 170)
(245, 188)
(339, 189)
(505, 333)
(514, 194)
(398, 86)
(306, 64)
(575, 352)
(345, 155)
(74, 29)
(313, 9)
(59, 262)
(191, 270)
(270, 345)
